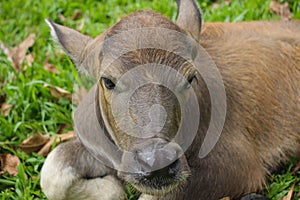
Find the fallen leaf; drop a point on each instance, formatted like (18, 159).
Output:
(76, 15)
(58, 92)
(18, 54)
(9, 163)
(78, 95)
(225, 198)
(281, 9)
(5, 108)
(51, 68)
(275, 7)
(34, 143)
(61, 17)
(285, 13)
(58, 139)
(216, 5)
(290, 194)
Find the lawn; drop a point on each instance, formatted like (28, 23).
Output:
(28, 105)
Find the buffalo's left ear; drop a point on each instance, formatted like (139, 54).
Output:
(73, 42)
(189, 17)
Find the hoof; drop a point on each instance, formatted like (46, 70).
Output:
(254, 197)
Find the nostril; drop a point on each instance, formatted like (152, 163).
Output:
(174, 167)
(162, 178)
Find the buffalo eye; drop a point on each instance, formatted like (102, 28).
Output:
(190, 80)
(108, 83)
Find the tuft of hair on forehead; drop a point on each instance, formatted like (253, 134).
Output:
(143, 19)
(150, 56)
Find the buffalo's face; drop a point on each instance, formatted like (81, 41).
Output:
(144, 114)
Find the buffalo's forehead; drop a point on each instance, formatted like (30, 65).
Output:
(156, 63)
(144, 38)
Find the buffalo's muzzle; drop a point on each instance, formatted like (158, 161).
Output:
(154, 164)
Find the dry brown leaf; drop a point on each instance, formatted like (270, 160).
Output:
(78, 95)
(58, 138)
(9, 163)
(290, 194)
(61, 17)
(5, 108)
(34, 143)
(58, 92)
(18, 54)
(285, 13)
(281, 9)
(225, 198)
(51, 68)
(76, 15)
(217, 3)
(275, 7)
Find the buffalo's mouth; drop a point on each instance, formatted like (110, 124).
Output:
(158, 182)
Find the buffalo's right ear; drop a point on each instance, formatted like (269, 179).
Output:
(73, 42)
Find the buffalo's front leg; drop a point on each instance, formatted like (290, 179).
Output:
(254, 196)
(70, 172)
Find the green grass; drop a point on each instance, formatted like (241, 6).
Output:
(35, 110)
(282, 182)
